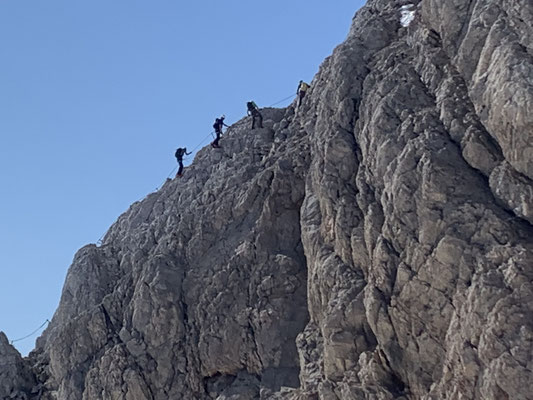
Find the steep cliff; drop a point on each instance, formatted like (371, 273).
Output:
(375, 243)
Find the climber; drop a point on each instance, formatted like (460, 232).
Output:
(253, 110)
(180, 152)
(302, 89)
(218, 125)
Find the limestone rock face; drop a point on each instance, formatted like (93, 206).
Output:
(17, 381)
(375, 243)
(199, 290)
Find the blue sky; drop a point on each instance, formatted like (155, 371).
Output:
(95, 96)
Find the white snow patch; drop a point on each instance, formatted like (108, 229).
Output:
(407, 14)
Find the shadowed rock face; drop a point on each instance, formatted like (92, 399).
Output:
(16, 379)
(376, 243)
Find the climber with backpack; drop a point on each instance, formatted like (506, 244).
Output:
(180, 152)
(301, 91)
(257, 118)
(218, 125)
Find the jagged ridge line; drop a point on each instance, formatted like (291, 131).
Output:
(100, 240)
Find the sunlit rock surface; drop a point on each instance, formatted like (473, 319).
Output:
(375, 243)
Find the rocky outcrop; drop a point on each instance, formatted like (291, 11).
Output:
(199, 290)
(419, 244)
(17, 381)
(376, 243)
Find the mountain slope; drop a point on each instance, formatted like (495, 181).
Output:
(375, 243)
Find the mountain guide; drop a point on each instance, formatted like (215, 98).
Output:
(302, 89)
(218, 125)
(253, 110)
(180, 152)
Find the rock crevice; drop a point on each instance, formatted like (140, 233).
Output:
(373, 243)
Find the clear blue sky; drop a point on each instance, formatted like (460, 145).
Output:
(95, 96)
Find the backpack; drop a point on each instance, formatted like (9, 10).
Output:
(179, 153)
(251, 106)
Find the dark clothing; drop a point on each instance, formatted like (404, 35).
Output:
(302, 90)
(215, 142)
(257, 119)
(300, 98)
(219, 123)
(180, 169)
(180, 153)
(251, 106)
(179, 156)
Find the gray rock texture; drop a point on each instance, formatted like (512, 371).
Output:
(17, 381)
(375, 243)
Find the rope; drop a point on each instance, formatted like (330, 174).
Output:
(100, 241)
(176, 167)
(192, 151)
(203, 140)
(31, 334)
(171, 172)
(286, 98)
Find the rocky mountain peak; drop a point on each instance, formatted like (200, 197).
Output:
(374, 243)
